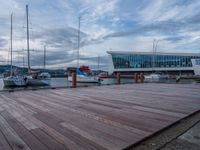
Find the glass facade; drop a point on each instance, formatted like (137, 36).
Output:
(121, 61)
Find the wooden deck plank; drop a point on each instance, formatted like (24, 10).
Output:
(77, 138)
(68, 143)
(26, 135)
(11, 136)
(4, 145)
(110, 131)
(50, 142)
(90, 115)
(107, 117)
(108, 143)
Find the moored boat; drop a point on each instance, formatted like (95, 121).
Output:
(42, 79)
(35, 78)
(104, 75)
(13, 80)
(84, 75)
(152, 76)
(84, 79)
(155, 76)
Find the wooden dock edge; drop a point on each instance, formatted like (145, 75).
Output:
(163, 137)
(58, 87)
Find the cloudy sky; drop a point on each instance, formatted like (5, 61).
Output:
(125, 25)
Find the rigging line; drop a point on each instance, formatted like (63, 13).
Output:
(9, 50)
(24, 21)
(74, 45)
(31, 25)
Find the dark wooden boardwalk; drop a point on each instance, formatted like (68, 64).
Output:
(107, 117)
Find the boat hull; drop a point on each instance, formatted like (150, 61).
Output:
(43, 79)
(39, 82)
(104, 77)
(155, 77)
(84, 79)
(14, 82)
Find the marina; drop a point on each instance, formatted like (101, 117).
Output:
(65, 83)
(105, 117)
(99, 75)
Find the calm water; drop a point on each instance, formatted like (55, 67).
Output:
(63, 82)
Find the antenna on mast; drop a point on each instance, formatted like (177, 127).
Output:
(98, 61)
(11, 34)
(44, 57)
(28, 51)
(153, 55)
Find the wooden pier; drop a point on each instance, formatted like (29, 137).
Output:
(105, 117)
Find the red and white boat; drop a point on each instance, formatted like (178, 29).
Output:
(84, 75)
(104, 75)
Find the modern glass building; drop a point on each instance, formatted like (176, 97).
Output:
(148, 62)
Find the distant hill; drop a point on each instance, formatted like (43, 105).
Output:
(53, 72)
(6, 68)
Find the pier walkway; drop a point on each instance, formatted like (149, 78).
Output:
(104, 117)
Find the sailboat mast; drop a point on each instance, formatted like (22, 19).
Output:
(11, 34)
(153, 61)
(44, 57)
(27, 22)
(79, 26)
(98, 62)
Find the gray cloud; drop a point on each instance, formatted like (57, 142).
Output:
(60, 56)
(60, 37)
(3, 61)
(175, 38)
(168, 28)
(3, 42)
(65, 39)
(52, 57)
(61, 46)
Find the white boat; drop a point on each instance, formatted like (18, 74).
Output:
(35, 79)
(12, 80)
(82, 75)
(43, 79)
(153, 76)
(84, 79)
(156, 76)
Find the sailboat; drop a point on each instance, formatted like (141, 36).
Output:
(41, 79)
(13, 80)
(35, 78)
(82, 73)
(153, 76)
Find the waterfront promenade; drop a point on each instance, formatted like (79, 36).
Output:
(97, 117)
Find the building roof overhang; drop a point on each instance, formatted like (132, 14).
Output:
(150, 53)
